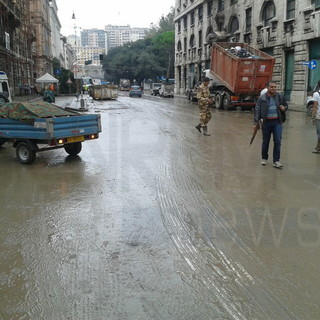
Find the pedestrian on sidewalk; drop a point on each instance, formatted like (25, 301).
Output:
(270, 112)
(204, 101)
(48, 95)
(316, 116)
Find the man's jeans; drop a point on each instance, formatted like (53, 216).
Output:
(317, 122)
(275, 128)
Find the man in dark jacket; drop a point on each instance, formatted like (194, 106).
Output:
(270, 114)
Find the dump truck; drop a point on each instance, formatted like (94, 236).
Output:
(104, 92)
(124, 84)
(238, 73)
(32, 127)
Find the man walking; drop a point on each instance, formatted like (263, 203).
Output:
(204, 100)
(316, 117)
(270, 114)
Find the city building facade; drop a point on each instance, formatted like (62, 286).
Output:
(42, 46)
(117, 36)
(17, 37)
(93, 38)
(289, 30)
(30, 39)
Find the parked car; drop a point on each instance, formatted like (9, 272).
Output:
(135, 91)
(309, 105)
(310, 100)
(155, 87)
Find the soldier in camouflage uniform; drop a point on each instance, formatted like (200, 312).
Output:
(204, 100)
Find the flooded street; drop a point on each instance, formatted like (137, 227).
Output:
(155, 221)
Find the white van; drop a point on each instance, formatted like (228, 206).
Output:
(5, 95)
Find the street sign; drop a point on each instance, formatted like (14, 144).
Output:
(312, 64)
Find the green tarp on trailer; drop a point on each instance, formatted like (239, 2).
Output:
(33, 110)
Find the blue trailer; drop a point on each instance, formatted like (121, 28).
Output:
(32, 134)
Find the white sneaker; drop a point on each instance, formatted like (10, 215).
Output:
(277, 164)
(264, 162)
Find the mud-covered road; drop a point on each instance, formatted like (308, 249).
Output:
(154, 221)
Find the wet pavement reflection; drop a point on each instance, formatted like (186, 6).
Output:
(155, 221)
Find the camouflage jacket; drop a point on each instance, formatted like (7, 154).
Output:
(203, 94)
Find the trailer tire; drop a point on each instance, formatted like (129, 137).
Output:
(24, 153)
(218, 101)
(73, 148)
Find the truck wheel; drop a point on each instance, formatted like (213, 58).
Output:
(218, 101)
(24, 153)
(73, 148)
(226, 101)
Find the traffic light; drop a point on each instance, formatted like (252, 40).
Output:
(101, 57)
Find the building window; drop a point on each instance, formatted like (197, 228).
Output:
(200, 13)
(234, 25)
(179, 26)
(185, 22)
(209, 31)
(192, 41)
(179, 46)
(316, 4)
(220, 5)
(269, 12)
(291, 7)
(185, 44)
(200, 38)
(192, 18)
(248, 19)
(209, 8)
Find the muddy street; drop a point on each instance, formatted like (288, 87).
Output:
(155, 221)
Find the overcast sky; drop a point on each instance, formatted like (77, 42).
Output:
(98, 13)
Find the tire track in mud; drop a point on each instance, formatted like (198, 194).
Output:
(211, 267)
(219, 271)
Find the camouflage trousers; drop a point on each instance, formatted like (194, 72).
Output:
(205, 116)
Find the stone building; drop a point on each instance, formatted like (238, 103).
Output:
(42, 46)
(29, 40)
(287, 29)
(16, 39)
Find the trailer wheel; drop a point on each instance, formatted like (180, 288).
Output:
(218, 101)
(226, 101)
(73, 148)
(24, 153)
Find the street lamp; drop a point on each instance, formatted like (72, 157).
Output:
(75, 43)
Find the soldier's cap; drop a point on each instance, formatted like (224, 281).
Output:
(206, 79)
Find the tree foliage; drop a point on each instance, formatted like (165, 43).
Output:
(144, 59)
